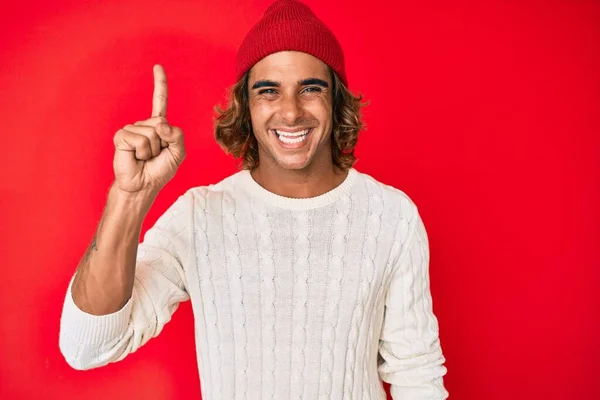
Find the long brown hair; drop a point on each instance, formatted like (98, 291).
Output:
(233, 128)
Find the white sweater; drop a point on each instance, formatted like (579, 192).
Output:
(292, 298)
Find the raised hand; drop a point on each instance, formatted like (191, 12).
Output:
(148, 153)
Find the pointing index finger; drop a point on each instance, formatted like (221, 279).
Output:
(159, 98)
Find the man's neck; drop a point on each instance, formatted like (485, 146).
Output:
(306, 183)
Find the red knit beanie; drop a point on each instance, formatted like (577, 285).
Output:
(290, 25)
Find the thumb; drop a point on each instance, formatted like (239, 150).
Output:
(171, 137)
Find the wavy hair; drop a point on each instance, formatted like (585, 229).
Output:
(233, 127)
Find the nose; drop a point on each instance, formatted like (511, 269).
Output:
(291, 108)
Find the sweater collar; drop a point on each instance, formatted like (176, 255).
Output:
(255, 190)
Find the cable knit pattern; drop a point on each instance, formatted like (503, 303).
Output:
(236, 290)
(334, 292)
(268, 291)
(301, 251)
(318, 298)
(372, 244)
(206, 283)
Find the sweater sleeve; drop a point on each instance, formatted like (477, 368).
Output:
(410, 355)
(89, 341)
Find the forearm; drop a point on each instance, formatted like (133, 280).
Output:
(412, 359)
(418, 376)
(104, 280)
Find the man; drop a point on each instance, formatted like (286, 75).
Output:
(307, 278)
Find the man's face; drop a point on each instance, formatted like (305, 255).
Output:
(291, 110)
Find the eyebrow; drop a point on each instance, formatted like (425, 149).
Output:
(314, 81)
(304, 82)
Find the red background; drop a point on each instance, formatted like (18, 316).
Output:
(485, 113)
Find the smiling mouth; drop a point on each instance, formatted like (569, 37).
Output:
(292, 137)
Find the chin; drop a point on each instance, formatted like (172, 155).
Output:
(293, 165)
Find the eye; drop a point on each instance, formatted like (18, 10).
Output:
(313, 89)
(267, 91)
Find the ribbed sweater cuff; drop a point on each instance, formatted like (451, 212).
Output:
(93, 329)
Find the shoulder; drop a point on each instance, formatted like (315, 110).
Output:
(402, 216)
(205, 195)
(395, 201)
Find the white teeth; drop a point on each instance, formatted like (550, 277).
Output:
(291, 141)
(292, 137)
(292, 134)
